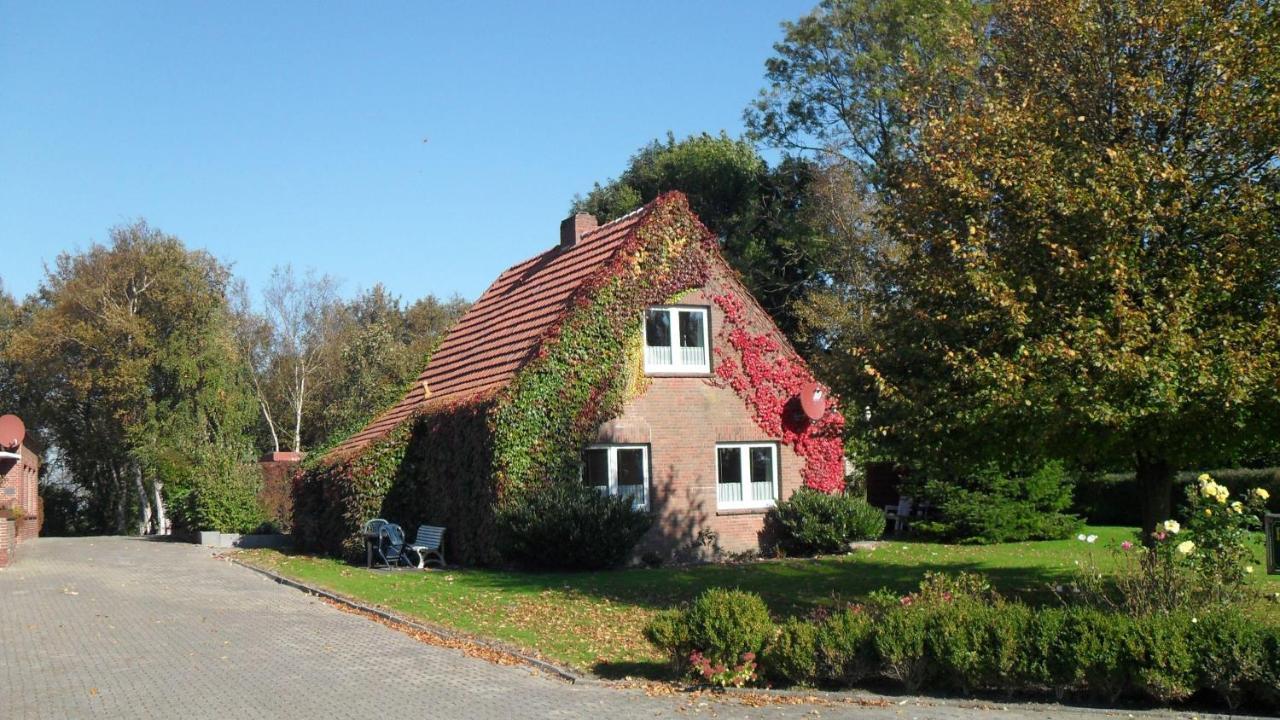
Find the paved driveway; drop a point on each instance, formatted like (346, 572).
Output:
(128, 628)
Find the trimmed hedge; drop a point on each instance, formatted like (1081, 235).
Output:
(949, 637)
(811, 522)
(1114, 498)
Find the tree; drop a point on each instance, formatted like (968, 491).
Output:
(299, 329)
(841, 88)
(1087, 199)
(125, 358)
(756, 211)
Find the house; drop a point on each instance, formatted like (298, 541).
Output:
(629, 357)
(19, 489)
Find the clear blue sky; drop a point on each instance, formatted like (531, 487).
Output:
(271, 133)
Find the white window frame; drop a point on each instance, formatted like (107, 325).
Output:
(612, 489)
(744, 450)
(677, 365)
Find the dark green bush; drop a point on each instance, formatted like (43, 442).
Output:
(792, 656)
(1093, 647)
(846, 654)
(900, 644)
(812, 522)
(720, 624)
(669, 632)
(1230, 652)
(569, 526)
(992, 507)
(1161, 657)
(724, 624)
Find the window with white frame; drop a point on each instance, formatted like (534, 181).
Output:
(618, 470)
(676, 340)
(746, 475)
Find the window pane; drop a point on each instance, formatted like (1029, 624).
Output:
(657, 328)
(630, 466)
(596, 468)
(691, 330)
(730, 465)
(762, 473)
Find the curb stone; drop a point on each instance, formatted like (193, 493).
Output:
(563, 673)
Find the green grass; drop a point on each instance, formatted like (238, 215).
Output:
(593, 621)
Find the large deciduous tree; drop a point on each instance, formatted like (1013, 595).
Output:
(1087, 194)
(127, 366)
(757, 211)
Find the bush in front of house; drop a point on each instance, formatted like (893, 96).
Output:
(567, 526)
(812, 522)
(992, 506)
(955, 634)
(720, 630)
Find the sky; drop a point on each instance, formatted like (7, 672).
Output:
(423, 145)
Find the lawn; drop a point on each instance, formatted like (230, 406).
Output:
(593, 621)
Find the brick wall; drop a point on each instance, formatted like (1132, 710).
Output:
(682, 419)
(19, 487)
(6, 542)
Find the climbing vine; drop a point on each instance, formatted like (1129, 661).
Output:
(589, 366)
(770, 382)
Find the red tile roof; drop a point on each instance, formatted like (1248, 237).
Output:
(503, 329)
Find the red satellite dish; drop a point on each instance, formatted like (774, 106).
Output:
(813, 400)
(12, 431)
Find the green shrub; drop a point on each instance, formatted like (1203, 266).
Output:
(792, 656)
(1230, 654)
(1266, 686)
(1091, 653)
(569, 526)
(812, 522)
(1161, 658)
(846, 653)
(725, 624)
(669, 632)
(899, 641)
(992, 507)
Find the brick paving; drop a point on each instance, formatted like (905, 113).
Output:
(129, 628)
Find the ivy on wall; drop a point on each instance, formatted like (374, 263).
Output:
(770, 382)
(456, 465)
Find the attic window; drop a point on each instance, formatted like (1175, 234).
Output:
(676, 340)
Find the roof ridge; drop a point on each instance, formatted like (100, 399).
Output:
(620, 218)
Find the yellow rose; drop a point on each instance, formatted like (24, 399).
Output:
(1204, 478)
(1262, 493)
(1186, 546)
(1237, 506)
(1172, 527)
(1209, 489)
(1223, 494)
(1248, 569)
(1208, 512)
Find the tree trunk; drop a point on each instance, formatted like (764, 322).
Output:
(1155, 483)
(162, 520)
(121, 499)
(144, 505)
(297, 417)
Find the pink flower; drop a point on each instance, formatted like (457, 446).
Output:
(1126, 545)
(906, 600)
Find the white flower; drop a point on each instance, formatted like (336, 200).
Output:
(1172, 527)
(1248, 569)
(1186, 546)
(1080, 537)
(1091, 539)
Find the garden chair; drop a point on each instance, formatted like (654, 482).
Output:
(391, 547)
(900, 514)
(429, 544)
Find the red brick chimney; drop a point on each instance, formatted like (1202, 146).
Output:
(574, 227)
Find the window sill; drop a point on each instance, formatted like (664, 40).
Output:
(744, 511)
(679, 373)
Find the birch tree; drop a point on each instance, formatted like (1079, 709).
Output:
(299, 312)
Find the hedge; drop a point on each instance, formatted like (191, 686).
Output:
(952, 640)
(1114, 498)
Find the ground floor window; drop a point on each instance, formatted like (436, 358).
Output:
(747, 475)
(618, 470)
